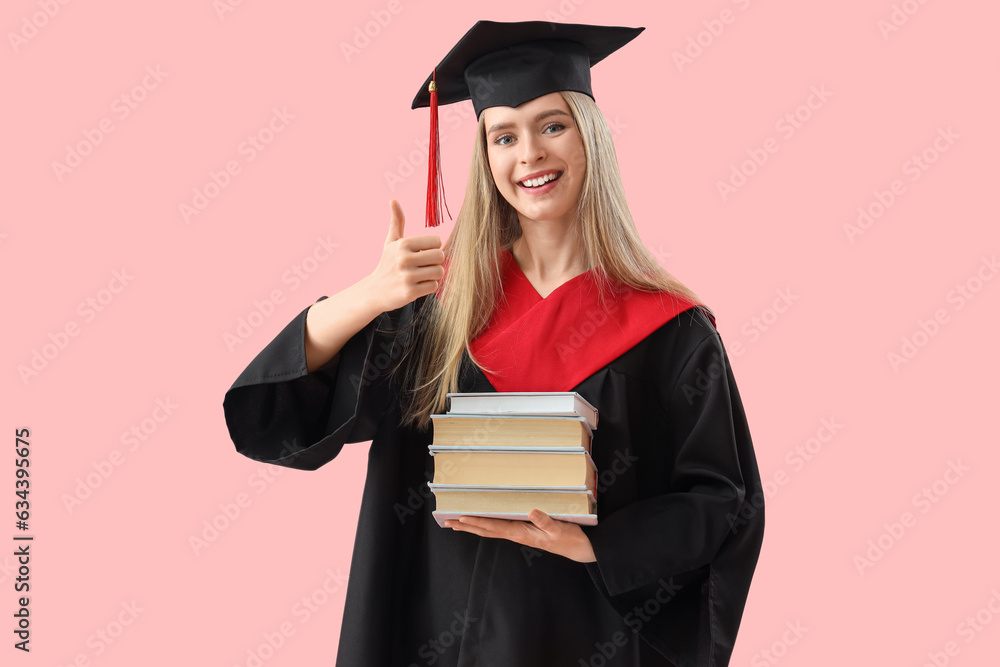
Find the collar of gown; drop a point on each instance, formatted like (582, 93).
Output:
(554, 343)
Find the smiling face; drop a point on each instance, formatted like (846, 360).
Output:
(537, 158)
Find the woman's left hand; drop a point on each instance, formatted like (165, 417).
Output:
(559, 537)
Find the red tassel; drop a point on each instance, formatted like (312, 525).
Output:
(435, 184)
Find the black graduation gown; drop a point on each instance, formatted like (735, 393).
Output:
(680, 511)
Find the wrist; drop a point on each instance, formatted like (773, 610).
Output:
(367, 298)
(584, 552)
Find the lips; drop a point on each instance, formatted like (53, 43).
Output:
(539, 179)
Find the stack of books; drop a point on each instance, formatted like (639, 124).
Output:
(502, 454)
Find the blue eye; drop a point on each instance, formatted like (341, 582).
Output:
(502, 140)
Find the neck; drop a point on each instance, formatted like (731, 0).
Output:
(550, 250)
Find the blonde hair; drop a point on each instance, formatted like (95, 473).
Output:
(487, 225)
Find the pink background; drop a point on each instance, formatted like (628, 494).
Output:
(160, 336)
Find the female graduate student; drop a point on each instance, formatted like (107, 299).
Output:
(548, 288)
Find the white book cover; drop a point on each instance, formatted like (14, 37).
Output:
(565, 403)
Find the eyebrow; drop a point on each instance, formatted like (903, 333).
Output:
(540, 116)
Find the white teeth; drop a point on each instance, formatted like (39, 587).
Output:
(541, 180)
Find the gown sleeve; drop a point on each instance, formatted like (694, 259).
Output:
(686, 517)
(277, 412)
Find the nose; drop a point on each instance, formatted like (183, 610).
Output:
(532, 149)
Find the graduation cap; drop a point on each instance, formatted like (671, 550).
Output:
(508, 64)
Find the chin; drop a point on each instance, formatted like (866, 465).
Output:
(546, 215)
(542, 211)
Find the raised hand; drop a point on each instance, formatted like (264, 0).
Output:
(410, 267)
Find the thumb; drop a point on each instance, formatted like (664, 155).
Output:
(541, 520)
(396, 222)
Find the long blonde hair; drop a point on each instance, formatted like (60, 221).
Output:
(486, 225)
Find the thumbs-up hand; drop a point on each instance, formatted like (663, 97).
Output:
(409, 268)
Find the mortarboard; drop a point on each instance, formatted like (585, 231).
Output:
(508, 64)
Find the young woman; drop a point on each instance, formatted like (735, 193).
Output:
(548, 288)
